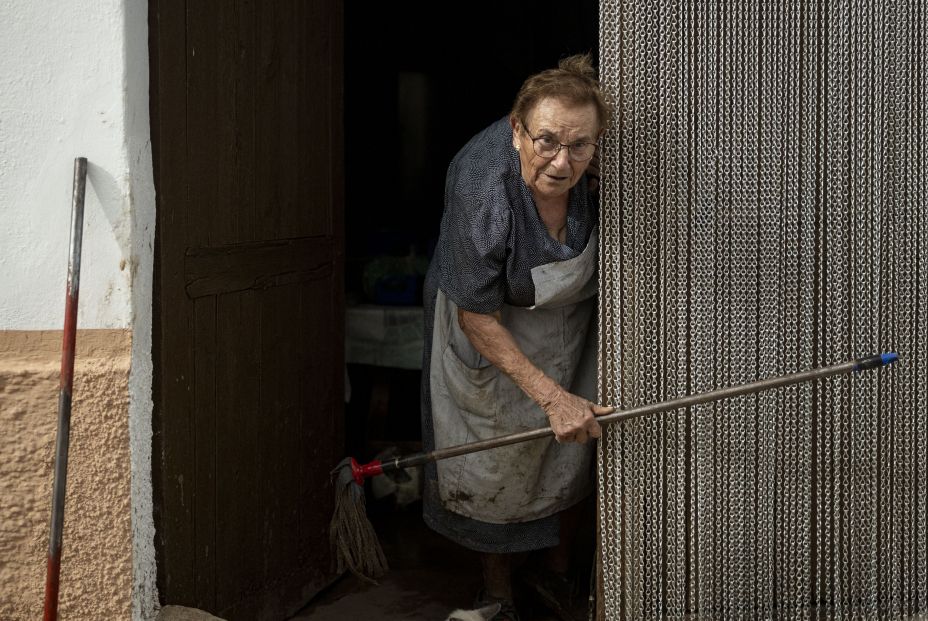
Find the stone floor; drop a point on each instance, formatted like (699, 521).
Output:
(429, 577)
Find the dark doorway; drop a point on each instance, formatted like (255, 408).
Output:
(420, 80)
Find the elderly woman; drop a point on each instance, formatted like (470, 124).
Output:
(510, 328)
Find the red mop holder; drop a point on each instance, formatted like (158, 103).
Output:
(66, 384)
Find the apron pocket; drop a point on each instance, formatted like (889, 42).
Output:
(473, 390)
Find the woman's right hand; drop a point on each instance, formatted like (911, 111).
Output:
(572, 417)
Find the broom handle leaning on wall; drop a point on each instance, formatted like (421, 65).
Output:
(363, 471)
(66, 383)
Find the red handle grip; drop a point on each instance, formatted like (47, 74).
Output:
(361, 472)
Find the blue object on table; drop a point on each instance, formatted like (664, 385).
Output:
(397, 289)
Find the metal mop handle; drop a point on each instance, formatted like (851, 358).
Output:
(53, 569)
(363, 471)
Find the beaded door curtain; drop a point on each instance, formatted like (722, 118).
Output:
(765, 210)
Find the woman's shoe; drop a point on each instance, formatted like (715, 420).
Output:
(507, 609)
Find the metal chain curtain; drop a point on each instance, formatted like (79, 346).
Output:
(765, 211)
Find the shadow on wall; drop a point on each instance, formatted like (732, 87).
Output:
(114, 203)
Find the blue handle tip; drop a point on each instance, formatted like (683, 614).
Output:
(889, 357)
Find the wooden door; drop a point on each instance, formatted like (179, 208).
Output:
(246, 105)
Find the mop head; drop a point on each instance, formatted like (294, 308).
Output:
(354, 543)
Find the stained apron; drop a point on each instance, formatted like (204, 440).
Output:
(473, 400)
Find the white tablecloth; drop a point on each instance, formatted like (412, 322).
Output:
(385, 336)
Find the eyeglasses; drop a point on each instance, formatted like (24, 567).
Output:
(546, 146)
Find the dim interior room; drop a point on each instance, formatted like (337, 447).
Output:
(420, 80)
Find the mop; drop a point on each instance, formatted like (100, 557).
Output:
(353, 540)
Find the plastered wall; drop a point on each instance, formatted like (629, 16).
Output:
(74, 82)
(96, 574)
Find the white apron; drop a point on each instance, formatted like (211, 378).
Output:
(473, 400)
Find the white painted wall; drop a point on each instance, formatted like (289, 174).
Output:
(63, 95)
(74, 82)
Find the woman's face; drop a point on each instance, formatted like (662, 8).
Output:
(552, 177)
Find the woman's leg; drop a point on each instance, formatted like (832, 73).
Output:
(557, 559)
(497, 575)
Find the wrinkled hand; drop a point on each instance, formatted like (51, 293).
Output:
(573, 418)
(592, 172)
